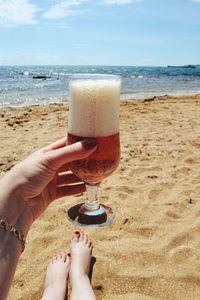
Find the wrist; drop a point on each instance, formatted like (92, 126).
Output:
(12, 208)
(14, 232)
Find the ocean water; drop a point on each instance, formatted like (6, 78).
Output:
(19, 88)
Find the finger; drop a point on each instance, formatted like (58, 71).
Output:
(67, 179)
(69, 153)
(63, 191)
(56, 145)
(64, 168)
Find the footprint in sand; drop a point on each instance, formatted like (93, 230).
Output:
(164, 189)
(184, 253)
(125, 189)
(179, 240)
(190, 161)
(181, 171)
(146, 232)
(195, 144)
(154, 193)
(173, 215)
(145, 171)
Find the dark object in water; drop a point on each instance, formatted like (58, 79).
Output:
(44, 77)
(183, 67)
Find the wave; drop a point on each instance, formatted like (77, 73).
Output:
(18, 86)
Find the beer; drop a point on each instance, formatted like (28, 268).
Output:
(94, 113)
(101, 163)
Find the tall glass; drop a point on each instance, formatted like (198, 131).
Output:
(94, 113)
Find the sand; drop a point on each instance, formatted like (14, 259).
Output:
(152, 249)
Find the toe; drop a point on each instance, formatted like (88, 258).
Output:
(90, 246)
(76, 235)
(86, 239)
(82, 236)
(63, 257)
(67, 257)
(54, 259)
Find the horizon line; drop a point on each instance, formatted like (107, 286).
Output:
(93, 65)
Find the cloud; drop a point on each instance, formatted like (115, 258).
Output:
(17, 12)
(64, 9)
(195, 1)
(24, 12)
(67, 8)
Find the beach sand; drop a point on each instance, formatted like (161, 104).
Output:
(152, 249)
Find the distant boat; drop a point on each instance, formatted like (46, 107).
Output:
(183, 67)
(44, 77)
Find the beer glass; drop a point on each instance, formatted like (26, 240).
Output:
(94, 113)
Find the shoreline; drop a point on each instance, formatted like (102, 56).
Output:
(122, 99)
(18, 88)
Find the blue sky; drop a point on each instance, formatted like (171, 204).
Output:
(100, 32)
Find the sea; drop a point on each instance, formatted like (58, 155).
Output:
(41, 85)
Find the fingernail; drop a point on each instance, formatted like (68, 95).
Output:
(89, 144)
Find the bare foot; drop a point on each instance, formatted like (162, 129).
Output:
(55, 286)
(81, 253)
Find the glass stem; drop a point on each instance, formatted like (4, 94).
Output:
(92, 201)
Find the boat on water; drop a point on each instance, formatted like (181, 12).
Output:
(183, 67)
(44, 77)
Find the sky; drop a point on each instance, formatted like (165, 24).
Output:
(100, 32)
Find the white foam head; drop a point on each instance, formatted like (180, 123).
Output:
(94, 107)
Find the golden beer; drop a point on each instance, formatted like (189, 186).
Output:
(102, 163)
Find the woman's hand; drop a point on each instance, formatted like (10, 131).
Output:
(41, 178)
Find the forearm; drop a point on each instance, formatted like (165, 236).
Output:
(10, 250)
(10, 245)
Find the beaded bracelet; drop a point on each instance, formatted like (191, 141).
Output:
(6, 226)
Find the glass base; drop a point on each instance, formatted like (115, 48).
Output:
(80, 217)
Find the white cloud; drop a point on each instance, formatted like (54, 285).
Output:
(67, 8)
(24, 12)
(120, 1)
(64, 9)
(17, 12)
(195, 1)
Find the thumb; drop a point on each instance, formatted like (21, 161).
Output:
(76, 151)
